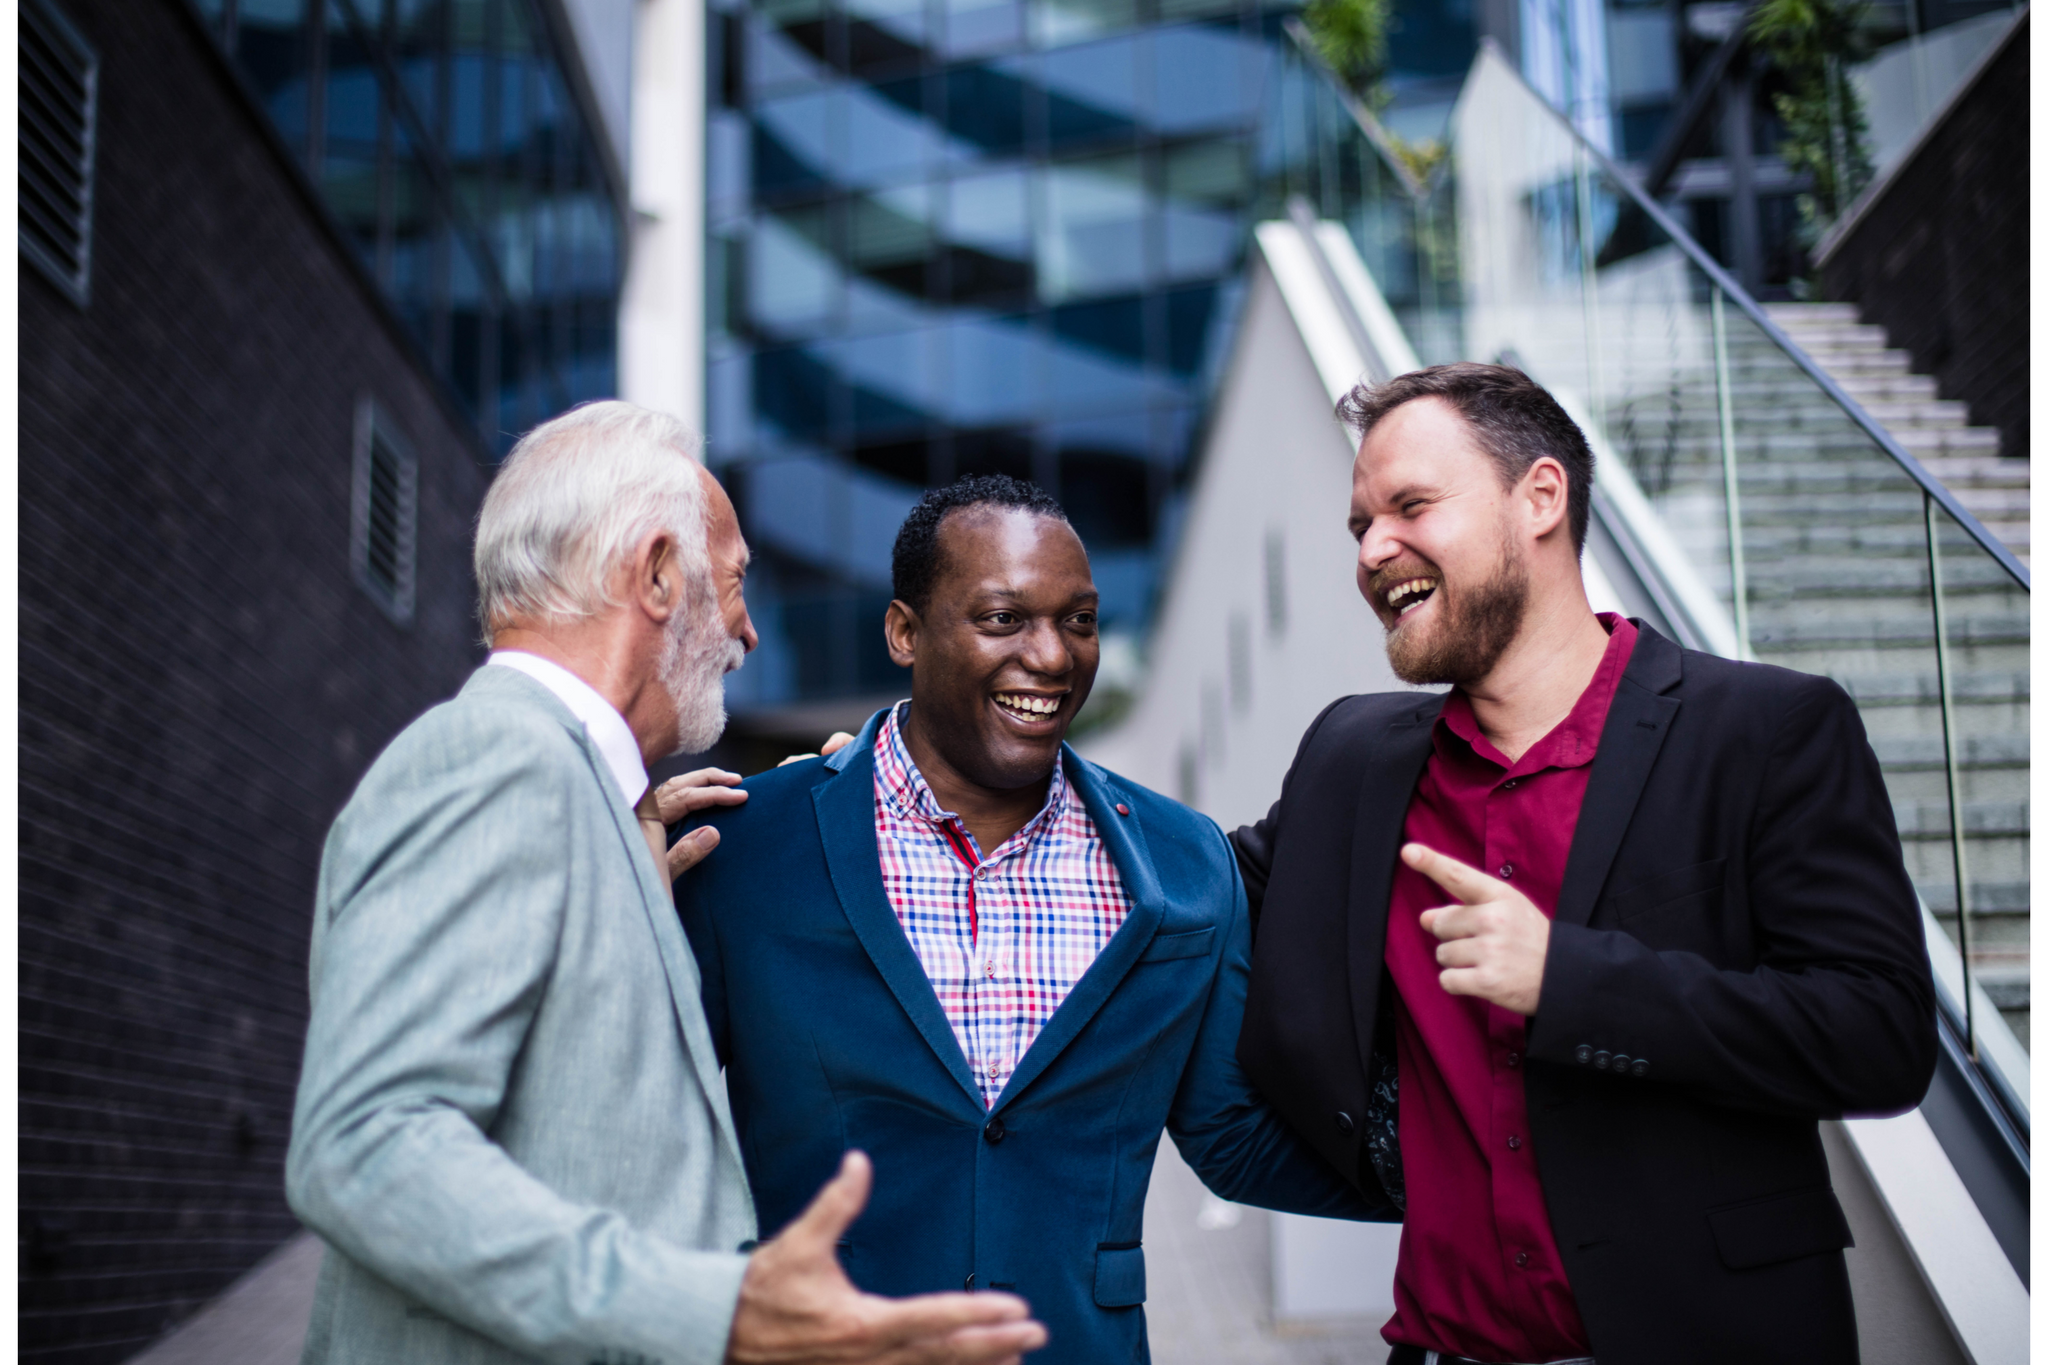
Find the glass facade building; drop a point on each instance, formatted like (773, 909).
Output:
(967, 236)
(452, 144)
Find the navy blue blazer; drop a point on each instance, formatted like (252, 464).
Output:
(832, 1038)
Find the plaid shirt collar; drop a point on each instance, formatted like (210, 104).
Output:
(911, 796)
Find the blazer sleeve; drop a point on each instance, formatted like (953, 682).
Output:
(1837, 1017)
(444, 893)
(1226, 1131)
(1255, 844)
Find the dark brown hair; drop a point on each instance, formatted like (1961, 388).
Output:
(1513, 418)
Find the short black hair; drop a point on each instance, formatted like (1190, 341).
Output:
(914, 565)
(1514, 419)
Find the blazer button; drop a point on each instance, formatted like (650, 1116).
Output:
(1583, 1054)
(1639, 1067)
(994, 1132)
(1621, 1062)
(1601, 1059)
(1122, 809)
(1344, 1124)
(970, 1281)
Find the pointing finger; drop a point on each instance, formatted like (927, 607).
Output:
(1468, 884)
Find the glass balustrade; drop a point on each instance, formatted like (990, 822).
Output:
(1802, 531)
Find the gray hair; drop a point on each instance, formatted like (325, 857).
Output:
(571, 502)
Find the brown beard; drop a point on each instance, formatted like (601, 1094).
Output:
(1476, 626)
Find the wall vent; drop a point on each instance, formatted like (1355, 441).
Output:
(386, 512)
(57, 100)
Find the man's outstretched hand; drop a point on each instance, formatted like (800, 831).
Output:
(679, 798)
(796, 1304)
(1494, 941)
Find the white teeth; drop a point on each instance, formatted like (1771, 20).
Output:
(1414, 587)
(1030, 705)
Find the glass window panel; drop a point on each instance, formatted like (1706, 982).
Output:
(1093, 235)
(465, 316)
(794, 392)
(272, 50)
(421, 52)
(729, 410)
(995, 371)
(1195, 9)
(887, 138)
(1083, 379)
(1190, 315)
(1056, 22)
(988, 251)
(412, 228)
(792, 280)
(881, 32)
(349, 144)
(795, 140)
(1114, 327)
(777, 61)
(727, 165)
(985, 112)
(1203, 77)
(974, 27)
(1097, 91)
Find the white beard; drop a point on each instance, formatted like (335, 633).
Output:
(693, 669)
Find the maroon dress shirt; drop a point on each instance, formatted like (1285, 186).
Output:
(1479, 1274)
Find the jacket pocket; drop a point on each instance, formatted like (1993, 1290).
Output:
(1666, 889)
(1780, 1228)
(1167, 947)
(1120, 1274)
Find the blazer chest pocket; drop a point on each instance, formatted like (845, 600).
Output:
(1168, 947)
(1783, 1227)
(1674, 909)
(1120, 1274)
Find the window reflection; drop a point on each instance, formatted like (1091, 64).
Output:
(953, 237)
(443, 139)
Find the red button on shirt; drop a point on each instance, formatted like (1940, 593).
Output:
(1479, 1274)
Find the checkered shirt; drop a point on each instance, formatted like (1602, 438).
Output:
(1002, 937)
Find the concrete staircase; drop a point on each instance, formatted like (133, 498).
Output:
(1934, 431)
(1836, 560)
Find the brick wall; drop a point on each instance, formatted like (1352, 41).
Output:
(1939, 259)
(201, 684)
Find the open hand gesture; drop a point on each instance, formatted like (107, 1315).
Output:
(796, 1304)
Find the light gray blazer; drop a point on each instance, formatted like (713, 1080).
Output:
(511, 1129)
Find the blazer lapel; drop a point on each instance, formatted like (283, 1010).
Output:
(1385, 789)
(1637, 722)
(1124, 837)
(657, 902)
(846, 826)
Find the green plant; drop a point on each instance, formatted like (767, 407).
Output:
(1351, 35)
(1827, 134)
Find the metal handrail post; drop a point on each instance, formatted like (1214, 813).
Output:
(1953, 765)
(1738, 574)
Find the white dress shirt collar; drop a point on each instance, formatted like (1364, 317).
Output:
(605, 726)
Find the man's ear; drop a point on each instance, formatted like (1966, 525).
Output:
(899, 629)
(657, 586)
(1548, 492)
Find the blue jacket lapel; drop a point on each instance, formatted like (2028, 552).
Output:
(846, 826)
(1124, 837)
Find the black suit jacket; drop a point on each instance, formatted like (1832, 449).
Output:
(1735, 920)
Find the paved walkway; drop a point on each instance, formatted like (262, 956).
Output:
(1208, 1273)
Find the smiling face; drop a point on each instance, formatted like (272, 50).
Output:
(1004, 652)
(1438, 557)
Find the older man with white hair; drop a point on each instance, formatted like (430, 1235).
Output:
(510, 1129)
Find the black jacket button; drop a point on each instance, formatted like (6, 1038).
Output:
(1344, 1124)
(994, 1132)
(1601, 1059)
(1583, 1054)
(1621, 1061)
(1639, 1067)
